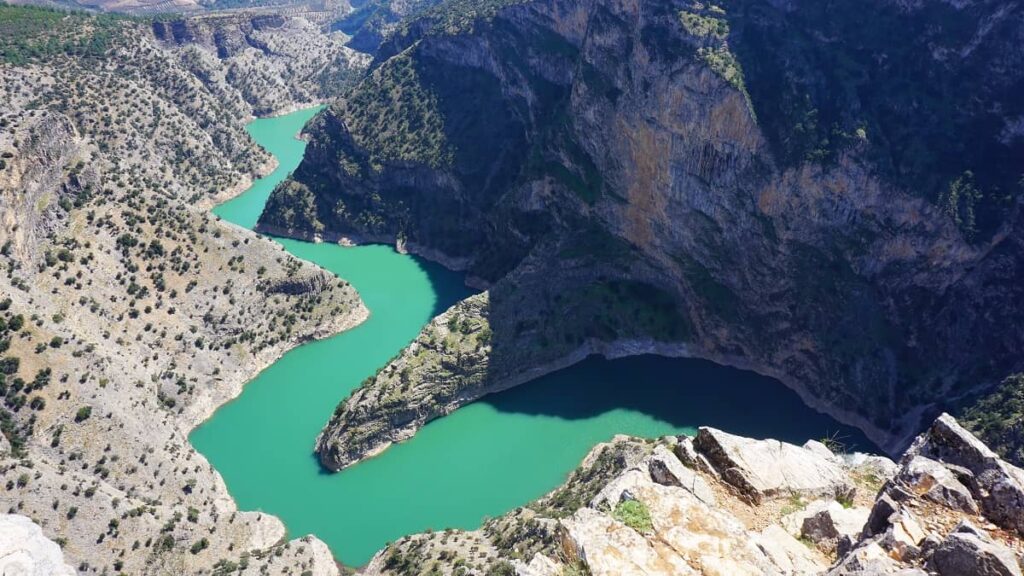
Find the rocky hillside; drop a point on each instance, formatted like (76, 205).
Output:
(128, 313)
(311, 9)
(722, 504)
(766, 185)
(371, 21)
(274, 62)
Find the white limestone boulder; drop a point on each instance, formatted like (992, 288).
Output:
(762, 469)
(26, 551)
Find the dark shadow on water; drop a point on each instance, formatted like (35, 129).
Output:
(449, 287)
(682, 392)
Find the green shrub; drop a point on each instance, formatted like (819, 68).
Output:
(634, 514)
(199, 546)
(83, 413)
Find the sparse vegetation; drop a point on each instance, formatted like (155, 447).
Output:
(634, 513)
(83, 413)
(998, 418)
(33, 34)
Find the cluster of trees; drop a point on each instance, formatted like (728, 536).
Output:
(30, 34)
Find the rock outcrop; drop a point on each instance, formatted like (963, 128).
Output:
(968, 551)
(767, 468)
(679, 178)
(25, 551)
(311, 284)
(970, 475)
(273, 62)
(635, 507)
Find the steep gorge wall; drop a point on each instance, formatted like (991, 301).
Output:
(273, 62)
(551, 146)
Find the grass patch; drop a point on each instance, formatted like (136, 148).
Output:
(795, 504)
(634, 513)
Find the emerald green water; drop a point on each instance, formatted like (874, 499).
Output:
(484, 459)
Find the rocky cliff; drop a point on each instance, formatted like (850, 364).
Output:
(744, 182)
(723, 504)
(272, 61)
(371, 21)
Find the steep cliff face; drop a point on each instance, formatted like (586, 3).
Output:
(273, 62)
(39, 186)
(25, 550)
(573, 154)
(370, 21)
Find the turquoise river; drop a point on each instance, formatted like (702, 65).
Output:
(484, 459)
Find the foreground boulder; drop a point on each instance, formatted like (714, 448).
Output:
(997, 485)
(24, 550)
(930, 479)
(765, 468)
(970, 553)
(830, 521)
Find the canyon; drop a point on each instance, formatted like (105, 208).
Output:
(628, 179)
(826, 197)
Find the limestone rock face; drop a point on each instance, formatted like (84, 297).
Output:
(787, 554)
(310, 284)
(25, 551)
(672, 507)
(666, 469)
(872, 560)
(599, 541)
(274, 62)
(688, 455)
(32, 188)
(996, 484)
(934, 481)
(687, 537)
(767, 468)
